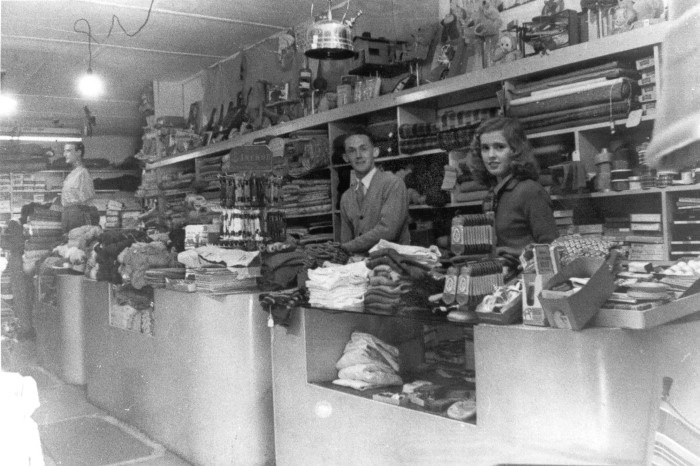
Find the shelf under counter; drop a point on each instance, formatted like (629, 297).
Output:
(422, 315)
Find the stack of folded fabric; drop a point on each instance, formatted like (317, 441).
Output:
(336, 286)
(418, 137)
(601, 93)
(301, 197)
(386, 287)
(43, 232)
(368, 362)
(402, 272)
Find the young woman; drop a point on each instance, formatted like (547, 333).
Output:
(78, 190)
(502, 159)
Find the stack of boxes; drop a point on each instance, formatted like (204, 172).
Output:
(647, 84)
(646, 240)
(121, 215)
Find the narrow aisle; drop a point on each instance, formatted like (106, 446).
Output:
(75, 432)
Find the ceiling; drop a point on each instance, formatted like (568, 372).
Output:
(42, 54)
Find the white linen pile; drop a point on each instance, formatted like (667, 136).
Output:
(335, 286)
(368, 362)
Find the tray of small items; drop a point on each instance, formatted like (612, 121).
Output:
(651, 298)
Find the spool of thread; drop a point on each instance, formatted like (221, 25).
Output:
(665, 179)
(686, 177)
(635, 182)
(648, 181)
(620, 185)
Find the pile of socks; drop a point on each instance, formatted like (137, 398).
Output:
(336, 286)
(368, 362)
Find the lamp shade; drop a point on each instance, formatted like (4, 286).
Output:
(329, 40)
(675, 142)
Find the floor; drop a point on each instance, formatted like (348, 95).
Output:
(61, 402)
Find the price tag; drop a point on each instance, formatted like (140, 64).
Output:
(634, 118)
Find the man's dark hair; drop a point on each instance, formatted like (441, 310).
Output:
(79, 146)
(359, 130)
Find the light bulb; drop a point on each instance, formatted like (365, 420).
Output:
(90, 85)
(8, 105)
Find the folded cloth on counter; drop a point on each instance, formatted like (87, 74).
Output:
(610, 91)
(428, 256)
(207, 255)
(338, 286)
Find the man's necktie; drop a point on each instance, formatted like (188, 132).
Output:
(360, 194)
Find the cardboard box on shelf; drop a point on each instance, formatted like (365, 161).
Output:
(573, 311)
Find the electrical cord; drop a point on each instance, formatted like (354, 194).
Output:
(115, 19)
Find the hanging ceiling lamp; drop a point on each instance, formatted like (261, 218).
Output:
(89, 84)
(328, 39)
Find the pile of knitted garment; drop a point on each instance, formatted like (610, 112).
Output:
(75, 251)
(336, 286)
(140, 257)
(111, 244)
(368, 362)
(402, 278)
(386, 287)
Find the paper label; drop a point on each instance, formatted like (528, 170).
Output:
(634, 118)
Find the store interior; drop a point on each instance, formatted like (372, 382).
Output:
(350, 232)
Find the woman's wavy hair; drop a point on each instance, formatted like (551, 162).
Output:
(523, 165)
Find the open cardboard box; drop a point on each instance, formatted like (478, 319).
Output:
(626, 318)
(575, 311)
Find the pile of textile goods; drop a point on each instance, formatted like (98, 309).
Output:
(102, 260)
(402, 278)
(139, 258)
(75, 251)
(335, 286)
(43, 231)
(368, 362)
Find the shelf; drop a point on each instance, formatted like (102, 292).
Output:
(628, 192)
(466, 83)
(592, 126)
(686, 222)
(316, 214)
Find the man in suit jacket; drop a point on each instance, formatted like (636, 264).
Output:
(376, 204)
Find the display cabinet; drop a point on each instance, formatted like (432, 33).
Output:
(486, 89)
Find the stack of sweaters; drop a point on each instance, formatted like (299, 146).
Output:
(336, 286)
(600, 93)
(400, 281)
